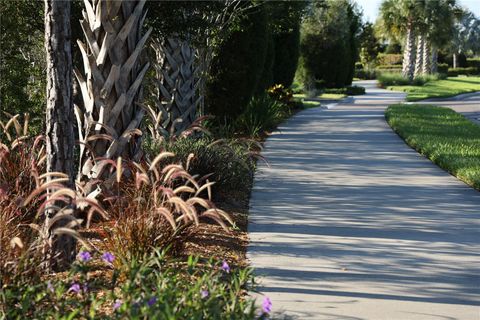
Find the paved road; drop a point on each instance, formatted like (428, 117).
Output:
(467, 104)
(350, 223)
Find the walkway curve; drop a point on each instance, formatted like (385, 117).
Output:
(348, 222)
(467, 104)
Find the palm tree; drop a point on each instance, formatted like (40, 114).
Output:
(466, 36)
(400, 17)
(419, 57)
(177, 85)
(185, 42)
(110, 116)
(439, 18)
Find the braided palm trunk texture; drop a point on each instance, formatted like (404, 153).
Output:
(419, 58)
(408, 67)
(109, 119)
(434, 63)
(177, 85)
(426, 60)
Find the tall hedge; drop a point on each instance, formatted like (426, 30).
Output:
(287, 52)
(329, 45)
(266, 72)
(238, 66)
(286, 17)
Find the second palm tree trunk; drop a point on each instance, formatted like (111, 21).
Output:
(419, 58)
(434, 65)
(426, 65)
(177, 85)
(408, 67)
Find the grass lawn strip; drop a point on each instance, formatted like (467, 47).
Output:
(445, 137)
(323, 96)
(440, 88)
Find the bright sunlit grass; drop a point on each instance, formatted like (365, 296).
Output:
(323, 96)
(440, 88)
(447, 138)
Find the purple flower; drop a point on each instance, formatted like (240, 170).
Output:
(117, 304)
(204, 294)
(50, 286)
(152, 301)
(108, 257)
(75, 288)
(225, 266)
(267, 305)
(85, 256)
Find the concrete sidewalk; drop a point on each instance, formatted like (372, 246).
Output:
(350, 223)
(467, 104)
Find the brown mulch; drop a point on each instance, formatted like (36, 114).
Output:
(209, 240)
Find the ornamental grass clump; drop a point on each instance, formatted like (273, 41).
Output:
(27, 232)
(155, 205)
(119, 272)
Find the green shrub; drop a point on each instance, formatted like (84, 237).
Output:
(281, 94)
(397, 79)
(297, 87)
(389, 67)
(329, 45)
(358, 66)
(389, 59)
(235, 72)
(266, 77)
(470, 71)
(474, 63)
(355, 90)
(366, 74)
(262, 114)
(152, 287)
(393, 48)
(228, 163)
(349, 90)
(386, 79)
(442, 68)
(287, 51)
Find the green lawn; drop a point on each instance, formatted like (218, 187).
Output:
(442, 135)
(323, 96)
(307, 104)
(440, 88)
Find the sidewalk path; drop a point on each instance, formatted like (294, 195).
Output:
(350, 223)
(467, 104)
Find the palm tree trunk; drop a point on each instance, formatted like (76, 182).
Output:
(426, 66)
(177, 84)
(455, 60)
(59, 135)
(434, 66)
(109, 119)
(408, 67)
(419, 58)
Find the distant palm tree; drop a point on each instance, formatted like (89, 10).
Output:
(401, 18)
(439, 20)
(177, 85)
(466, 36)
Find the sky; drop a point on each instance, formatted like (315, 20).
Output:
(370, 7)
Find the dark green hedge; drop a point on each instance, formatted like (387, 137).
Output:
(235, 70)
(329, 45)
(287, 51)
